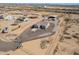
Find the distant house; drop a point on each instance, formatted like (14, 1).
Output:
(1, 17)
(33, 16)
(9, 18)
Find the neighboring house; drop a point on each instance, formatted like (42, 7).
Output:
(26, 19)
(21, 18)
(51, 18)
(33, 16)
(45, 17)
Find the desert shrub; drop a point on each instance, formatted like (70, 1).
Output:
(76, 33)
(67, 19)
(44, 44)
(66, 33)
(75, 36)
(61, 39)
(75, 53)
(67, 37)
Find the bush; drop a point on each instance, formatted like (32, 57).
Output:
(67, 19)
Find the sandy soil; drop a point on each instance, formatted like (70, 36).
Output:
(62, 43)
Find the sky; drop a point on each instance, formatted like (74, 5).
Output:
(39, 1)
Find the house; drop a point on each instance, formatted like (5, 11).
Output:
(44, 25)
(41, 25)
(34, 26)
(45, 17)
(52, 18)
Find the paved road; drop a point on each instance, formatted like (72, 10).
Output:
(28, 35)
(5, 46)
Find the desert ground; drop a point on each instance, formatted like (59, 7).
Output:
(39, 31)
